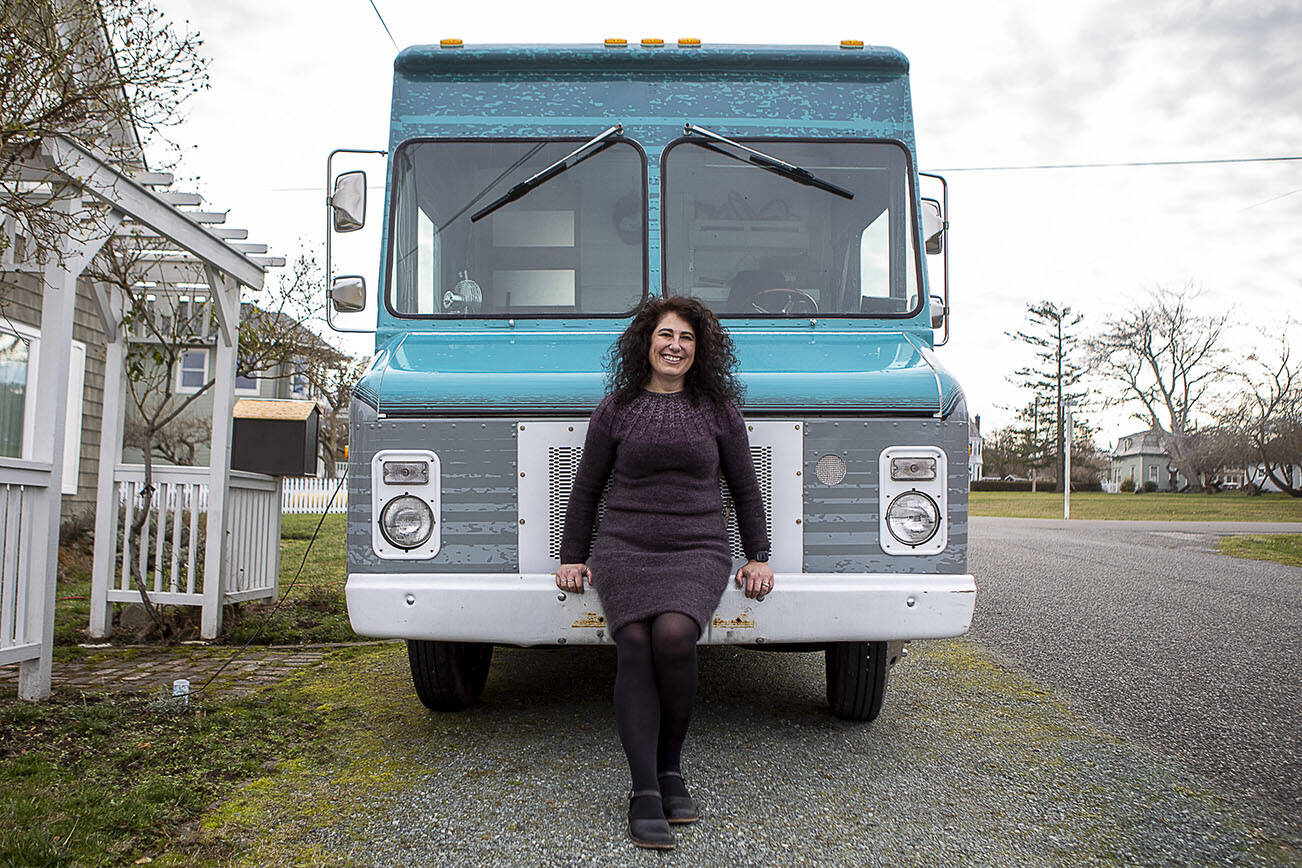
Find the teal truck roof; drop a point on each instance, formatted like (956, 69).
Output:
(553, 60)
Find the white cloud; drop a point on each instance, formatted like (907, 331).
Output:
(994, 84)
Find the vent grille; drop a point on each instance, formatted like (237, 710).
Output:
(563, 464)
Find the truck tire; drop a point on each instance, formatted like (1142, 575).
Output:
(856, 679)
(449, 676)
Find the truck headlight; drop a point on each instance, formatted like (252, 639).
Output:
(913, 518)
(407, 521)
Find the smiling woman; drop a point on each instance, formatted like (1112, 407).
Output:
(660, 560)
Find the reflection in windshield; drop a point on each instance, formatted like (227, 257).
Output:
(748, 242)
(575, 245)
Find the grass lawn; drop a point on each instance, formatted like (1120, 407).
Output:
(314, 611)
(1284, 548)
(110, 780)
(1159, 506)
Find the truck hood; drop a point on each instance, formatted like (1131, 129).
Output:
(466, 373)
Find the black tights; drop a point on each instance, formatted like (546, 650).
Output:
(655, 686)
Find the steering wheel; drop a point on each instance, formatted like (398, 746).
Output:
(780, 299)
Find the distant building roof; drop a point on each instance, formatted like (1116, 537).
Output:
(1148, 442)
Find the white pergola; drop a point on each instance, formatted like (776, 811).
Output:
(212, 261)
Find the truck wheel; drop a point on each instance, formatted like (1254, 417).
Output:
(449, 676)
(856, 679)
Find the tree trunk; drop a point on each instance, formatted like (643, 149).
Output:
(133, 538)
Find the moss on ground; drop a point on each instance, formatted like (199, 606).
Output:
(366, 711)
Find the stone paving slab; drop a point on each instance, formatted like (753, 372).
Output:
(135, 668)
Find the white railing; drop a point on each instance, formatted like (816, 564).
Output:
(253, 537)
(170, 558)
(22, 483)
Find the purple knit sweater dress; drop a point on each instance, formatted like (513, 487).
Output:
(662, 544)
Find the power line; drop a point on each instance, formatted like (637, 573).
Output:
(1272, 199)
(1120, 165)
(382, 24)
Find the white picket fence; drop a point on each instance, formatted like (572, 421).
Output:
(308, 494)
(299, 495)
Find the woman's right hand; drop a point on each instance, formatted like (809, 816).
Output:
(570, 577)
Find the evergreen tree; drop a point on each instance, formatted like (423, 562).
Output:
(1055, 376)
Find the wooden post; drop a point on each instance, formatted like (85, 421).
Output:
(226, 295)
(51, 408)
(110, 455)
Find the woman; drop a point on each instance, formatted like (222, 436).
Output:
(660, 561)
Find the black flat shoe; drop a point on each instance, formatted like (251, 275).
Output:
(679, 809)
(650, 832)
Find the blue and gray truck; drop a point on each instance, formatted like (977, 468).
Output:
(535, 195)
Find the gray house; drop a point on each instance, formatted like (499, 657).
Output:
(1142, 457)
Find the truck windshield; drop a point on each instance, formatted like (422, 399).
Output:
(749, 242)
(573, 246)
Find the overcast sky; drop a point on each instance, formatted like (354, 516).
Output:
(994, 84)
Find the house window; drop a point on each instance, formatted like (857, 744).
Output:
(20, 354)
(14, 391)
(298, 382)
(1152, 472)
(194, 371)
(246, 385)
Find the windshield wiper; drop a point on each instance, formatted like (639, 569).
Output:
(773, 164)
(569, 161)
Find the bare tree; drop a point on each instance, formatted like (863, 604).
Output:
(111, 74)
(1056, 376)
(1167, 359)
(334, 385)
(1268, 417)
(176, 443)
(168, 324)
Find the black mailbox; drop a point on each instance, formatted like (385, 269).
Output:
(278, 438)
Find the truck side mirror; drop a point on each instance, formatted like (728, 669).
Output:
(933, 226)
(938, 311)
(348, 293)
(348, 201)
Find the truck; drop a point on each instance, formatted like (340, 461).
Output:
(535, 195)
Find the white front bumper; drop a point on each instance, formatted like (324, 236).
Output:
(528, 609)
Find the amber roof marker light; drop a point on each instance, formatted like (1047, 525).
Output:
(689, 42)
(852, 43)
(652, 42)
(450, 43)
(616, 42)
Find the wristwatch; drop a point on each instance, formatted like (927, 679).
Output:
(762, 556)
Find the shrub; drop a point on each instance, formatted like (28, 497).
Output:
(1150, 486)
(1002, 485)
(1128, 484)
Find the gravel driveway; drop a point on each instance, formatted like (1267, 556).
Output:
(970, 763)
(1158, 638)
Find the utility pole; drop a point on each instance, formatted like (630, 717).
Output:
(1066, 465)
(1035, 436)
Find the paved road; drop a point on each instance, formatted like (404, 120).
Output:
(1163, 640)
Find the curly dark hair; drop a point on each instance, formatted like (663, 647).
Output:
(713, 374)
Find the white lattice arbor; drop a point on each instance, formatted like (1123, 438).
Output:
(189, 259)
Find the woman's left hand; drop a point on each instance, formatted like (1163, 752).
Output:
(756, 579)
